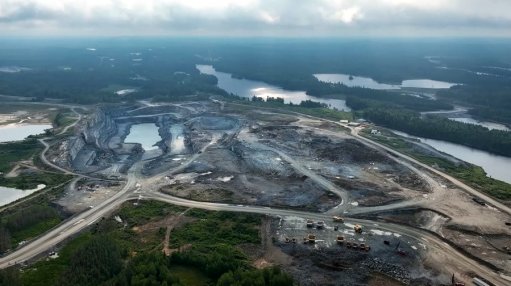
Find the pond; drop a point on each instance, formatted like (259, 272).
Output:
(359, 81)
(249, 88)
(9, 195)
(146, 134)
(17, 132)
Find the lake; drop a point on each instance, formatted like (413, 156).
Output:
(359, 81)
(146, 134)
(495, 166)
(249, 88)
(9, 195)
(17, 132)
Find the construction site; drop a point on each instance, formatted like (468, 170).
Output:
(337, 206)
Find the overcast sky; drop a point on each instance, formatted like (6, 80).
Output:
(257, 17)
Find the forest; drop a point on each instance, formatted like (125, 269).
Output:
(113, 254)
(434, 127)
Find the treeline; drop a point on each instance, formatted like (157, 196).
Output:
(491, 102)
(494, 141)
(396, 100)
(280, 101)
(20, 220)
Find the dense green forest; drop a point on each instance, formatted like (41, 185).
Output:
(494, 141)
(165, 68)
(491, 102)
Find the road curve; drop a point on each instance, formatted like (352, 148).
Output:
(450, 178)
(412, 233)
(67, 228)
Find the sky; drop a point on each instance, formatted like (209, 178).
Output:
(256, 17)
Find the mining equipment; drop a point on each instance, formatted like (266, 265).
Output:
(310, 238)
(310, 223)
(320, 224)
(340, 239)
(456, 283)
(357, 228)
(338, 219)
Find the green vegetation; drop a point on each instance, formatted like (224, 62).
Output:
(12, 152)
(63, 119)
(395, 100)
(31, 180)
(112, 253)
(26, 222)
(308, 107)
(494, 141)
(468, 173)
(490, 101)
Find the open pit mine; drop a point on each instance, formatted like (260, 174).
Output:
(337, 206)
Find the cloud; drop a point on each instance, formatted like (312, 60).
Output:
(256, 17)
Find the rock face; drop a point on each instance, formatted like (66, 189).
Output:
(99, 128)
(92, 138)
(76, 143)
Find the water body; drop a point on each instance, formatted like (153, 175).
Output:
(249, 88)
(146, 134)
(126, 91)
(495, 166)
(358, 81)
(17, 132)
(13, 69)
(177, 145)
(489, 125)
(9, 195)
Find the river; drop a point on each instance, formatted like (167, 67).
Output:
(487, 124)
(249, 88)
(495, 166)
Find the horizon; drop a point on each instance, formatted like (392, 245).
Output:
(256, 18)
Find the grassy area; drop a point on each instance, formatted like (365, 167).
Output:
(31, 180)
(13, 152)
(325, 113)
(472, 175)
(217, 227)
(63, 119)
